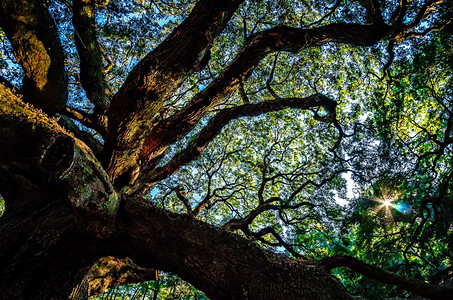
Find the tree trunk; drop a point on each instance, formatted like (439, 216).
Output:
(51, 183)
(43, 254)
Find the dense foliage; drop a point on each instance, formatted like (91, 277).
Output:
(368, 175)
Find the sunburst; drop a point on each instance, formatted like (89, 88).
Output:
(388, 203)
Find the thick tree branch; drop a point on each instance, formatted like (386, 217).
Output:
(415, 286)
(221, 264)
(215, 125)
(91, 75)
(210, 260)
(218, 262)
(64, 213)
(155, 78)
(33, 35)
(37, 221)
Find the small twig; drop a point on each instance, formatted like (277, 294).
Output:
(332, 10)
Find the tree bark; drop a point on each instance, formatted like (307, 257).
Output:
(33, 35)
(430, 291)
(220, 263)
(39, 227)
(48, 156)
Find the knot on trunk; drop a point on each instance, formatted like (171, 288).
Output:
(59, 156)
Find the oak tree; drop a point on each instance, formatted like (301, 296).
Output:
(214, 140)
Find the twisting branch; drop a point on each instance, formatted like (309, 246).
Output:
(109, 66)
(316, 184)
(264, 178)
(216, 124)
(179, 193)
(422, 12)
(207, 202)
(403, 31)
(389, 62)
(332, 10)
(427, 30)
(270, 230)
(415, 286)
(243, 223)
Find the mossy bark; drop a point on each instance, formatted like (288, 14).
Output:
(33, 35)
